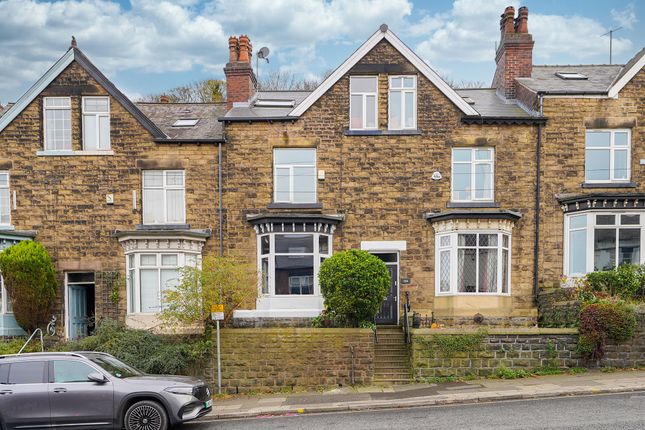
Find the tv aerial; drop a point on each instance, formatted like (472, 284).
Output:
(263, 53)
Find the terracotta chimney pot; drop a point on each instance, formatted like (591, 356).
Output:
(164, 99)
(233, 46)
(521, 23)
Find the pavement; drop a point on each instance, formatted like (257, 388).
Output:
(424, 394)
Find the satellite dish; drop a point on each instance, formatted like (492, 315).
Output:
(264, 53)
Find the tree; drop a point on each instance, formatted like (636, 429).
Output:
(30, 280)
(354, 284)
(280, 80)
(205, 91)
(463, 84)
(227, 280)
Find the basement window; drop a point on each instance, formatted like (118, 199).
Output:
(571, 75)
(185, 123)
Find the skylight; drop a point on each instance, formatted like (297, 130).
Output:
(468, 100)
(570, 75)
(185, 123)
(274, 103)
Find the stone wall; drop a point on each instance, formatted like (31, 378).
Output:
(271, 359)
(630, 353)
(481, 353)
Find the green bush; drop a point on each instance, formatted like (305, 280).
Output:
(627, 281)
(12, 346)
(30, 280)
(354, 284)
(148, 352)
(600, 322)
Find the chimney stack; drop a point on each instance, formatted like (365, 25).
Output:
(241, 83)
(514, 55)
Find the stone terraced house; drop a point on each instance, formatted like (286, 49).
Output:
(474, 198)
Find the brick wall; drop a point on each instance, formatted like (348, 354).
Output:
(280, 358)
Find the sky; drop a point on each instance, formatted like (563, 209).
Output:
(148, 46)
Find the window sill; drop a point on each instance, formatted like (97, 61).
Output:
(145, 227)
(415, 132)
(7, 227)
(609, 185)
(72, 153)
(294, 206)
(472, 205)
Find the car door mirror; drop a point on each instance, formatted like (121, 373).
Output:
(96, 377)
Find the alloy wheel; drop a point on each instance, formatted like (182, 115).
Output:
(144, 417)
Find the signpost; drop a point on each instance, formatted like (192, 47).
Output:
(217, 315)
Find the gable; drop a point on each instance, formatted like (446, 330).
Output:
(71, 56)
(384, 34)
(630, 70)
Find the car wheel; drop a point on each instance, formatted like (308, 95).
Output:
(146, 415)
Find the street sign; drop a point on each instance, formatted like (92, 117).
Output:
(217, 312)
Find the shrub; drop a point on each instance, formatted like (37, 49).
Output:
(600, 322)
(148, 352)
(354, 284)
(12, 346)
(227, 280)
(627, 281)
(30, 280)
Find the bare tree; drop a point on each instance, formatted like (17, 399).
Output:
(205, 91)
(462, 84)
(277, 80)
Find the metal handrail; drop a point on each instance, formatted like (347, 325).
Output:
(42, 344)
(406, 318)
(375, 334)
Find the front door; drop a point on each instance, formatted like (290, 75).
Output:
(388, 314)
(80, 304)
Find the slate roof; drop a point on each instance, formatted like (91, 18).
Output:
(489, 104)
(5, 108)
(164, 115)
(599, 78)
(249, 110)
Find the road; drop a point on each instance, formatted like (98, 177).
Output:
(617, 411)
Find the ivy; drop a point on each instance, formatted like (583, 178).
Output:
(451, 344)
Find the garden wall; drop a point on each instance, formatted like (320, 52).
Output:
(452, 352)
(260, 359)
(630, 353)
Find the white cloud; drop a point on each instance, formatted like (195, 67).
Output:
(625, 17)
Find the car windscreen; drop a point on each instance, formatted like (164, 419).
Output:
(114, 367)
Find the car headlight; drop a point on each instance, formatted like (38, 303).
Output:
(186, 391)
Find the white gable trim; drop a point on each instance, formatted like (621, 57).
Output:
(405, 51)
(616, 87)
(36, 89)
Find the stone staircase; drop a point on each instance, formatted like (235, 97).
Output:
(391, 357)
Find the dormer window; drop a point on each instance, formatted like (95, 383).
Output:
(402, 103)
(571, 75)
(363, 102)
(185, 122)
(272, 103)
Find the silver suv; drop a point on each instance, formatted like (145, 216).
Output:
(93, 390)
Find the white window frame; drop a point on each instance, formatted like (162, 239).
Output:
(317, 255)
(165, 187)
(590, 235)
(403, 112)
(133, 292)
(46, 145)
(612, 150)
(363, 101)
(292, 176)
(97, 116)
(473, 177)
(454, 259)
(8, 208)
(4, 300)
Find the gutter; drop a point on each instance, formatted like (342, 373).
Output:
(196, 141)
(502, 120)
(257, 118)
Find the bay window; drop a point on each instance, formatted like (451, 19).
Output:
(363, 102)
(289, 262)
(601, 241)
(150, 275)
(473, 262)
(164, 197)
(472, 174)
(57, 123)
(607, 155)
(402, 106)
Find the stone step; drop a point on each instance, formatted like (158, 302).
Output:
(392, 381)
(399, 361)
(394, 347)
